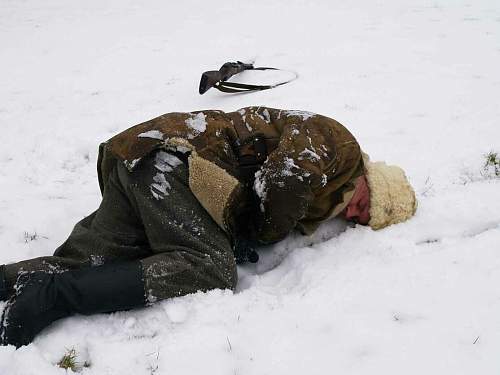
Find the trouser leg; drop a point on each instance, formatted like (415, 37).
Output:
(111, 233)
(76, 256)
(151, 215)
(189, 251)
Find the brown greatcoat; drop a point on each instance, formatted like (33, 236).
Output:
(294, 168)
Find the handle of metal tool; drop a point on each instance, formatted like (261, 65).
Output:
(211, 78)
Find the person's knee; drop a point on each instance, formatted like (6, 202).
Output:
(222, 270)
(230, 274)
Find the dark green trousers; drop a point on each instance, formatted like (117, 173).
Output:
(148, 215)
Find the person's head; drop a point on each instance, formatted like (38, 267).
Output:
(392, 199)
(383, 196)
(358, 208)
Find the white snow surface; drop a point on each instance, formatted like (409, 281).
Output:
(418, 84)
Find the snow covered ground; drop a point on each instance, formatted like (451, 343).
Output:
(418, 83)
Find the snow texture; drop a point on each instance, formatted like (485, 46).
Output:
(290, 168)
(166, 162)
(197, 123)
(130, 164)
(417, 83)
(266, 116)
(309, 154)
(155, 134)
(160, 186)
(304, 115)
(259, 186)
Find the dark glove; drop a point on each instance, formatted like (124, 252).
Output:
(244, 251)
(43, 298)
(242, 228)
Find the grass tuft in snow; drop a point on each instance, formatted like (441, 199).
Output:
(29, 237)
(69, 361)
(491, 167)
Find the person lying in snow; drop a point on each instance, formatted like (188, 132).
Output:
(188, 195)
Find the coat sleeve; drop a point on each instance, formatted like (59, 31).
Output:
(304, 161)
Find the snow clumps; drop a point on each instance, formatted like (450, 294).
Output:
(197, 123)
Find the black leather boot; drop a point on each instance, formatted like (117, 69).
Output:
(42, 298)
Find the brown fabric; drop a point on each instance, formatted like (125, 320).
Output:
(311, 162)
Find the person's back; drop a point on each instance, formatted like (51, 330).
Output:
(306, 164)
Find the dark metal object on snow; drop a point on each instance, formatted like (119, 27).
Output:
(218, 79)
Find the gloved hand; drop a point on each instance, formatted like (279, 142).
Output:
(43, 298)
(244, 251)
(243, 233)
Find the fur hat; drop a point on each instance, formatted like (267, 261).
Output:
(392, 199)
